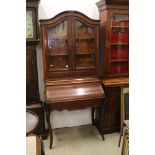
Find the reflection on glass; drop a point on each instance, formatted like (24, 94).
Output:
(119, 50)
(57, 38)
(85, 46)
(85, 61)
(119, 68)
(58, 47)
(58, 63)
(83, 31)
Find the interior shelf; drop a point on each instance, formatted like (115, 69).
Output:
(119, 60)
(85, 67)
(85, 38)
(84, 53)
(57, 54)
(58, 69)
(114, 44)
(120, 27)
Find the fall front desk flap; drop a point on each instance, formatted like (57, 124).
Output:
(64, 90)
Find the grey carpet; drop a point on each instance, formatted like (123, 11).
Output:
(82, 140)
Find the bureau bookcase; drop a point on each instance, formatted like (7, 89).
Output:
(114, 29)
(70, 48)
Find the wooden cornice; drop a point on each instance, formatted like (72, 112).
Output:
(112, 4)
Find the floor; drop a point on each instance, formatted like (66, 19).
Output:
(82, 140)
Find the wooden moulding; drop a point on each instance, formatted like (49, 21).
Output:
(116, 82)
(71, 90)
(64, 14)
(33, 105)
(71, 81)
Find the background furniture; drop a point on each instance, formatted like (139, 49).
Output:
(34, 145)
(114, 23)
(114, 30)
(124, 135)
(124, 104)
(33, 102)
(70, 48)
(32, 121)
(38, 108)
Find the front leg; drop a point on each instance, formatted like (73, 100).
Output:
(102, 118)
(49, 127)
(92, 115)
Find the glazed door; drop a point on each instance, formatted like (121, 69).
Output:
(119, 45)
(70, 46)
(58, 49)
(85, 52)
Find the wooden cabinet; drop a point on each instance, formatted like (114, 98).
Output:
(70, 45)
(111, 121)
(112, 113)
(114, 17)
(38, 108)
(114, 29)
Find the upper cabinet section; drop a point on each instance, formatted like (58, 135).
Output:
(114, 17)
(70, 45)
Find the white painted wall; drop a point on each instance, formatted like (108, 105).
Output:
(48, 9)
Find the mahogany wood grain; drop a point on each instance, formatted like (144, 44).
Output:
(115, 82)
(71, 81)
(73, 92)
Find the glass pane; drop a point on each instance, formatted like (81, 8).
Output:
(84, 31)
(58, 63)
(57, 48)
(119, 52)
(84, 45)
(119, 68)
(57, 39)
(120, 29)
(119, 49)
(85, 61)
(120, 20)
